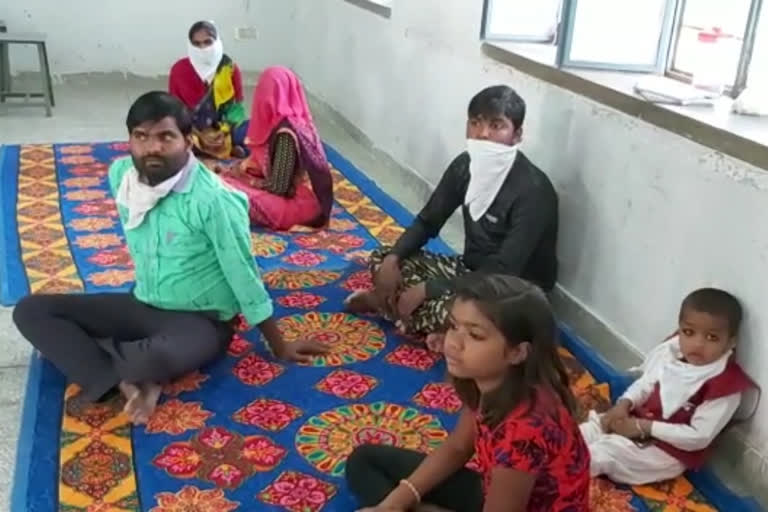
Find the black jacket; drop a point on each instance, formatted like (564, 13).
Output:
(516, 236)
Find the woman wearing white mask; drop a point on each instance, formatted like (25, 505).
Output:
(210, 84)
(510, 224)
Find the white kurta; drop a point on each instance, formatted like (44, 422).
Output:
(621, 460)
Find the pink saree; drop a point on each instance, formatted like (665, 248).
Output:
(280, 106)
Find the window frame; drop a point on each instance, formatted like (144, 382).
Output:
(668, 43)
(739, 82)
(662, 50)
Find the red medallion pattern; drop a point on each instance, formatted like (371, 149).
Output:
(92, 224)
(256, 371)
(267, 414)
(192, 499)
(175, 417)
(77, 160)
(413, 357)
(439, 395)
(301, 300)
(347, 384)
(336, 243)
(221, 457)
(359, 281)
(76, 149)
(93, 169)
(83, 182)
(239, 346)
(186, 384)
(105, 207)
(98, 241)
(297, 492)
(119, 257)
(304, 259)
(96, 470)
(606, 497)
(113, 278)
(86, 194)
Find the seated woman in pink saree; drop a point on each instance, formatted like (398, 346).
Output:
(286, 177)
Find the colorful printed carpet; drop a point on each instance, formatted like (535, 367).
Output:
(246, 433)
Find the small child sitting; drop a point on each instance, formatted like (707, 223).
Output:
(690, 389)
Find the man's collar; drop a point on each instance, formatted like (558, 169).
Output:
(185, 181)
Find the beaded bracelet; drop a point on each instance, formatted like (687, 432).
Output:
(412, 488)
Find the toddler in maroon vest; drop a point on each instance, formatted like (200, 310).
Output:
(689, 390)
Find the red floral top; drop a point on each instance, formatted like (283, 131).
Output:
(545, 441)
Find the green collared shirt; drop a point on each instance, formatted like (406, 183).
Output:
(192, 251)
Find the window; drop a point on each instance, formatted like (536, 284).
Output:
(522, 20)
(685, 39)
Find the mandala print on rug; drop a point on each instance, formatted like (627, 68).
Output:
(328, 438)
(349, 338)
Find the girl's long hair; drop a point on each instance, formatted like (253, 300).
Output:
(522, 313)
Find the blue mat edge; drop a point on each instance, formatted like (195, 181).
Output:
(705, 480)
(26, 442)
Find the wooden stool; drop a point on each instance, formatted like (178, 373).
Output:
(6, 40)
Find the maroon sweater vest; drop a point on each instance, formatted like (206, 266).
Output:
(732, 380)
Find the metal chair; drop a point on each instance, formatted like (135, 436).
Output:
(38, 40)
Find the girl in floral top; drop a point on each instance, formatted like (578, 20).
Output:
(501, 351)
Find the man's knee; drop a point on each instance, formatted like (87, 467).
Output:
(29, 310)
(182, 350)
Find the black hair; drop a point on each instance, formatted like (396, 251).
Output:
(203, 25)
(498, 100)
(156, 105)
(715, 302)
(522, 313)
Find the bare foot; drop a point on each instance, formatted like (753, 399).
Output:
(147, 402)
(435, 342)
(361, 302)
(132, 395)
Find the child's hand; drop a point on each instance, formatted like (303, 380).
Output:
(618, 412)
(631, 428)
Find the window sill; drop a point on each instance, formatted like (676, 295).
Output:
(739, 136)
(380, 7)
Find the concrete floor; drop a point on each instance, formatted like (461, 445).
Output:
(90, 109)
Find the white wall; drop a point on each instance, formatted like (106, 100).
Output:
(647, 216)
(142, 37)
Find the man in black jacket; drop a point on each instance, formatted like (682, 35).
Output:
(510, 224)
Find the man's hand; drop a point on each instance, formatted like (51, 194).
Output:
(387, 281)
(411, 299)
(618, 412)
(301, 351)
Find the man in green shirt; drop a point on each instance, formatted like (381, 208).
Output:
(189, 237)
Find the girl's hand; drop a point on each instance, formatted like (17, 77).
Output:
(381, 509)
